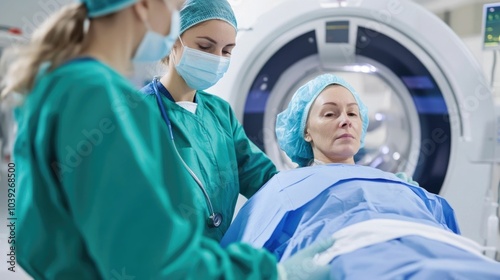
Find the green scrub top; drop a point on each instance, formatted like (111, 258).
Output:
(214, 145)
(101, 193)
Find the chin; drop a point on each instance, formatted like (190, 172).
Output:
(349, 152)
(345, 154)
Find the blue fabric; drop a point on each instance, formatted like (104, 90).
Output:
(412, 257)
(298, 206)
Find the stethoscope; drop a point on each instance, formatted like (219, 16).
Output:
(214, 219)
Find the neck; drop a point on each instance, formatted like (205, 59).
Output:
(325, 160)
(176, 85)
(111, 41)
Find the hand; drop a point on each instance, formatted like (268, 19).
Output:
(302, 265)
(404, 177)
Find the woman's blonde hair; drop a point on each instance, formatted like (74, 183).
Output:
(59, 38)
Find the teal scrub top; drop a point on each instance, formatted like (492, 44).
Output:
(214, 145)
(101, 192)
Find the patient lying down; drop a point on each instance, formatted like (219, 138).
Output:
(385, 227)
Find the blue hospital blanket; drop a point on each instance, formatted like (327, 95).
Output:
(298, 206)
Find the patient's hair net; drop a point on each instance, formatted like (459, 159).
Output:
(197, 11)
(291, 123)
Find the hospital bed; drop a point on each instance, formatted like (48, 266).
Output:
(385, 228)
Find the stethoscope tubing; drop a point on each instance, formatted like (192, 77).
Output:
(164, 115)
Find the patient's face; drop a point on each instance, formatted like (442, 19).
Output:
(334, 126)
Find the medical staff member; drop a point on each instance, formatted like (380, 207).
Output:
(99, 188)
(205, 130)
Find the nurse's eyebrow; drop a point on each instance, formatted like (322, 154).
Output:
(213, 41)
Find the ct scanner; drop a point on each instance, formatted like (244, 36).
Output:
(432, 113)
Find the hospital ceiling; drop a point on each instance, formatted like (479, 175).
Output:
(438, 6)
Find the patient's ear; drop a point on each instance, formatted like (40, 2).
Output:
(307, 136)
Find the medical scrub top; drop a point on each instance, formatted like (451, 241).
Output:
(214, 145)
(100, 190)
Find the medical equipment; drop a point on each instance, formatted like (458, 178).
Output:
(214, 218)
(425, 91)
(491, 26)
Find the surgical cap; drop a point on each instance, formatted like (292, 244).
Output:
(198, 11)
(291, 123)
(97, 8)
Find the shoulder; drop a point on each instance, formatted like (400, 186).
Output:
(86, 86)
(80, 79)
(88, 71)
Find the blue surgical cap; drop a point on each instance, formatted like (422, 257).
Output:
(97, 8)
(197, 11)
(291, 123)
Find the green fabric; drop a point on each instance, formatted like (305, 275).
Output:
(98, 8)
(113, 209)
(197, 11)
(214, 145)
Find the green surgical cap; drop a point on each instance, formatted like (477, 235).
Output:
(197, 11)
(97, 8)
(291, 123)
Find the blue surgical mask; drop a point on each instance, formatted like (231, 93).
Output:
(155, 46)
(201, 70)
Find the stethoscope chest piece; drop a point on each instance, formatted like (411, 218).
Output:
(214, 220)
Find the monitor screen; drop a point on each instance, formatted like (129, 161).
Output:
(491, 26)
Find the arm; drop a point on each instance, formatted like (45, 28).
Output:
(127, 196)
(254, 167)
(437, 205)
(448, 215)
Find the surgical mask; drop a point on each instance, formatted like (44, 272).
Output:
(155, 46)
(199, 69)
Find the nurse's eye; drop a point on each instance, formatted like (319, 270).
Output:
(352, 114)
(203, 48)
(329, 114)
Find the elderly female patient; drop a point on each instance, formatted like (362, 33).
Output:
(385, 228)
